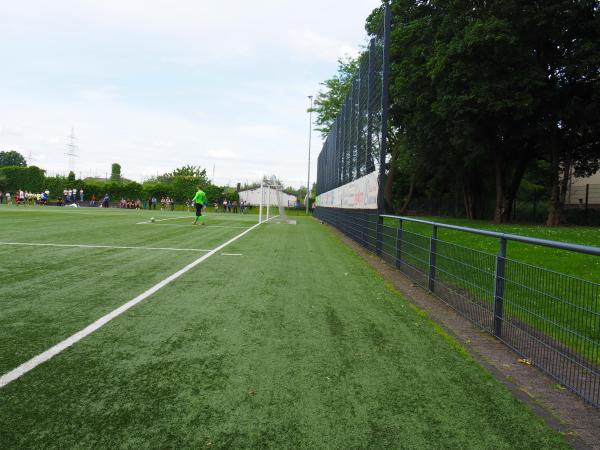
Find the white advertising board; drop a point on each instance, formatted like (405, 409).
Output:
(358, 194)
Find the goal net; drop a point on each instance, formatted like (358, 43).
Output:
(273, 202)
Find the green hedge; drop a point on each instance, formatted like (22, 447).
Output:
(25, 178)
(181, 188)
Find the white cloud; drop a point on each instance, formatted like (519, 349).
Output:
(162, 144)
(98, 94)
(11, 131)
(262, 131)
(313, 45)
(158, 84)
(221, 153)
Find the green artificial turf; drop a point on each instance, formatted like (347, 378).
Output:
(49, 293)
(296, 343)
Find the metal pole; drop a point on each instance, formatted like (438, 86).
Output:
(260, 203)
(399, 244)
(432, 254)
(499, 288)
(384, 128)
(268, 200)
(309, 142)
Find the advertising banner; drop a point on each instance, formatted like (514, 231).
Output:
(358, 194)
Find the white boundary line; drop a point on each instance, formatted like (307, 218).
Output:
(190, 226)
(162, 220)
(35, 244)
(63, 345)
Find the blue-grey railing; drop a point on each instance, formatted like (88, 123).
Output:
(550, 318)
(510, 237)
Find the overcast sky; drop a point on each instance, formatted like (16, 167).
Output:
(156, 84)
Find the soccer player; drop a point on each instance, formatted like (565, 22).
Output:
(199, 201)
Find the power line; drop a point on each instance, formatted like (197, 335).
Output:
(72, 150)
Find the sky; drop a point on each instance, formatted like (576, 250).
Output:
(157, 84)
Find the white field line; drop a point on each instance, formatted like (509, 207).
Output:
(35, 244)
(189, 226)
(63, 345)
(118, 212)
(162, 220)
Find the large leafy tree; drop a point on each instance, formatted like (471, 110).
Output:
(481, 90)
(329, 101)
(12, 158)
(565, 38)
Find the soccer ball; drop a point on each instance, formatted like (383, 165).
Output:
(151, 219)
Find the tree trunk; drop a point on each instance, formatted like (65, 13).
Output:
(513, 187)
(507, 189)
(408, 197)
(468, 200)
(499, 211)
(387, 189)
(566, 177)
(389, 181)
(554, 208)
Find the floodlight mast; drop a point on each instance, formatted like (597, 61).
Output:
(309, 142)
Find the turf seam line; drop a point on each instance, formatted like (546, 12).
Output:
(41, 244)
(63, 345)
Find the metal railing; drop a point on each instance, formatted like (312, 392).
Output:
(550, 318)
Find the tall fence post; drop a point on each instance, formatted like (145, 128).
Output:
(384, 126)
(587, 201)
(379, 235)
(432, 253)
(499, 288)
(399, 244)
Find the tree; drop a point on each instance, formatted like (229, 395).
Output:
(566, 43)
(71, 177)
(27, 178)
(195, 172)
(115, 173)
(189, 171)
(12, 158)
(328, 102)
(480, 91)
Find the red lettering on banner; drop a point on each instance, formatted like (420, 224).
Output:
(359, 198)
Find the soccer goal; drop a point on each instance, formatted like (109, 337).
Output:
(273, 202)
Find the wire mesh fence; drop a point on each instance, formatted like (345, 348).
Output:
(551, 319)
(353, 147)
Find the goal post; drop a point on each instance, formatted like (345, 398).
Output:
(271, 195)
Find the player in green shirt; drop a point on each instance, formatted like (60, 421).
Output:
(200, 202)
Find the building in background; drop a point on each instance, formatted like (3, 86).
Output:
(584, 192)
(252, 196)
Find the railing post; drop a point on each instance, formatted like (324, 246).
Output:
(499, 288)
(399, 244)
(379, 236)
(432, 250)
